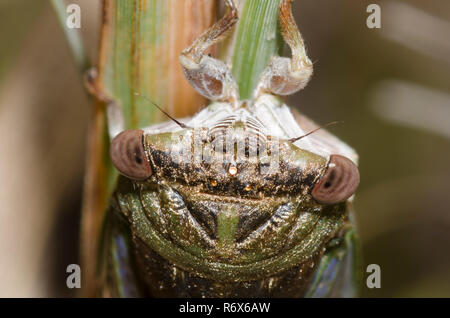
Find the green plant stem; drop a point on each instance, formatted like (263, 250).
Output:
(258, 39)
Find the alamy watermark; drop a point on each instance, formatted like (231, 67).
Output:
(373, 280)
(73, 20)
(374, 19)
(73, 280)
(231, 145)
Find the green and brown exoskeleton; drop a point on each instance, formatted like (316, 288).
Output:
(241, 200)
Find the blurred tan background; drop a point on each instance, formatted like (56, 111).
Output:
(391, 87)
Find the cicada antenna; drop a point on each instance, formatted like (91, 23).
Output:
(162, 111)
(315, 130)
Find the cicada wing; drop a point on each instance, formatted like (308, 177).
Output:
(117, 270)
(339, 270)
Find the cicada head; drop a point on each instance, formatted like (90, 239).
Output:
(230, 195)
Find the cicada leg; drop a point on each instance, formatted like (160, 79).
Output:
(210, 77)
(116, 122)
(285, 76)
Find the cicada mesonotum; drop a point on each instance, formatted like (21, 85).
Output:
(241, 200)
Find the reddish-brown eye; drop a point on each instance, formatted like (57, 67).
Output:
(128, 155)
(339, 181)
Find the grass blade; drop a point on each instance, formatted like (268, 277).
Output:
(256, 42)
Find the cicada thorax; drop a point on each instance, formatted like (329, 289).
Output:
(170, 265)
(163, 278)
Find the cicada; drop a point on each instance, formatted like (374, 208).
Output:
(247, 198)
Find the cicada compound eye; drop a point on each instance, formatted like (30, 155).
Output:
(128, 155)
(339, 181)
